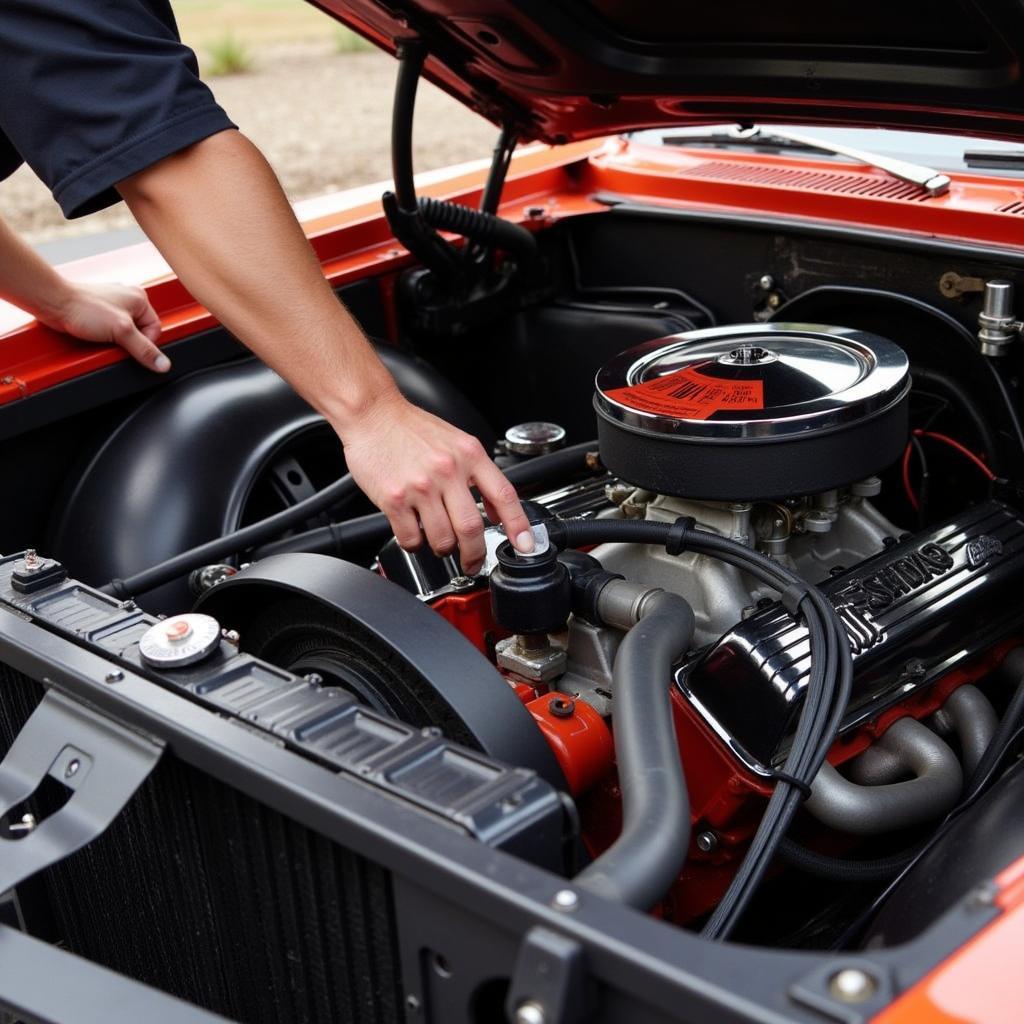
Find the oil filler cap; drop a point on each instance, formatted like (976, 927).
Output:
(753, 411)
(180, 640)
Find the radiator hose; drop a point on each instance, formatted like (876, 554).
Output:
(641, 865)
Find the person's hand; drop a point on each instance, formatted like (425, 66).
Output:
(417, 469)
(113, 314)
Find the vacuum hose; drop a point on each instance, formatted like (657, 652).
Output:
(641, 865)
(483, 228)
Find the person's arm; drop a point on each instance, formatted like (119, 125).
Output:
(219, 216)
(107, 313)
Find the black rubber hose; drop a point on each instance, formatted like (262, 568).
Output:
(544, 468)
(838, 869)
(411, 54)
(825, 697)
(641, 865)
(400, 206)
(333, 538)
(238, 540)
(483, 228)
(952, 391)
(1008, 402)
(340, 538)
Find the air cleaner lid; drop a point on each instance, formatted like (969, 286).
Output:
(755, 381)
(730, 412)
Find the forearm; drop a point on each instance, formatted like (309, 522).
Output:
(28, 281)
(218, 214)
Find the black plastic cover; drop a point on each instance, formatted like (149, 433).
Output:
(506, 807)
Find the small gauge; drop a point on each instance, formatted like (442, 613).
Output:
(535, 438)
(180, 640)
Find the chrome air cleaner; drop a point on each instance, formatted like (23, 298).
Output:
(753, 411)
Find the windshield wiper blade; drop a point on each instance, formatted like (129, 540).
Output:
(934, 182)
(995, 159)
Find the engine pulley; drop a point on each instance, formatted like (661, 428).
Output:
(316, 615)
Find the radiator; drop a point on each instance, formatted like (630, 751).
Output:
(203, 892)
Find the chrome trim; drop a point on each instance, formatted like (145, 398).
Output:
(875, 375)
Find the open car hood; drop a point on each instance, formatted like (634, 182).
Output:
(570, 69)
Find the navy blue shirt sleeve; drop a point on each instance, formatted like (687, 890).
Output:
(93, 91)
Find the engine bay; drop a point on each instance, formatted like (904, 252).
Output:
(693, 486)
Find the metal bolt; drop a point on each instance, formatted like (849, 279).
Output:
(984, 895)
(852, 985)
(314, 678)
(461, 582)
(72, 768)
(774, 300)
(231, 635)
(565, 899)
(915, 668)
(530, 1012)
(562, 707)
(114, 677)
(27, 824)
(767, 282)
(412, 1003)
(817, 522)
(707, 841)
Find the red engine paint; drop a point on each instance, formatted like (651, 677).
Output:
(727, 799)
(470, 614)
(581, 740)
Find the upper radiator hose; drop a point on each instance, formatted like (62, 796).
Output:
(483, 228)
(641, 865)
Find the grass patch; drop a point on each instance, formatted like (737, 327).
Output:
(257, 23)
(347, 41)
(227, 55)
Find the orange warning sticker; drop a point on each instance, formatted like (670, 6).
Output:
(689, 395)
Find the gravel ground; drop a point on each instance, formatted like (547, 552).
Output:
(321, 118)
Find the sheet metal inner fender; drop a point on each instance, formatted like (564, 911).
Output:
(470, 690)
(986, 838)
(178, 471)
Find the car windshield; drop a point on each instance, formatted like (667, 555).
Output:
(943, 152)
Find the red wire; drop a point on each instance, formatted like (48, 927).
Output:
(911, 496)
(956, 445)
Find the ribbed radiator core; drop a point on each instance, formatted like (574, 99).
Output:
(203, 892)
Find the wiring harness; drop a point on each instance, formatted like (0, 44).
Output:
(826, 696)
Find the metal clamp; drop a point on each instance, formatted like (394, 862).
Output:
(100, 761)
(549, 983)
